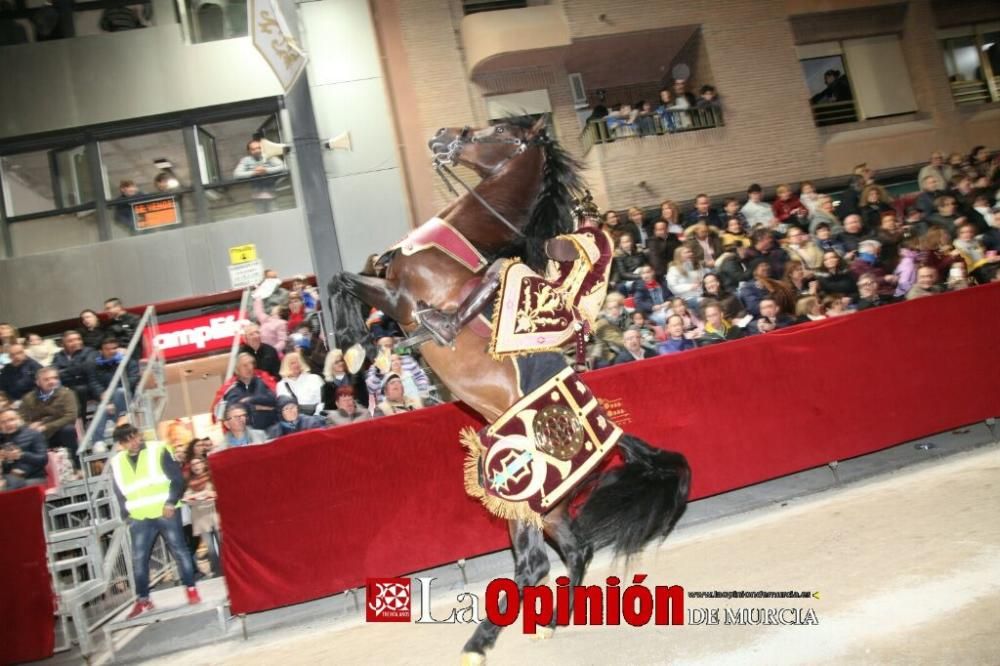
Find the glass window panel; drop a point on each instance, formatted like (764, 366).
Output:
(73, 177)
(123, 220)
(231, 138)
(961, 58)
(208, 156)
(141, 159)
(991, 51)
(27, 183)
(54, 233)
(243, 199)
(212, 20)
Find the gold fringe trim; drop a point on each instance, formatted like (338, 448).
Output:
(501, 508)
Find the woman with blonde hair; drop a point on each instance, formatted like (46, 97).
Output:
(809, 308)
(297, 382)
(684, 275)
(670, 213)
(336, 375)
(875, 200)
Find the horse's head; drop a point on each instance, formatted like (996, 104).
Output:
(489, 149)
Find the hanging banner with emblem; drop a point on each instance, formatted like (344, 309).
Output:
(274, 40)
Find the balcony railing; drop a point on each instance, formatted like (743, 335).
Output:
(834, 113)
(607, 130)
(971, 92)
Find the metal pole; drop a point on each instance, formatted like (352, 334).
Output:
(314, 193)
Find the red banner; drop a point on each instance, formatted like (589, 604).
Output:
(317, 513)
(193, 336)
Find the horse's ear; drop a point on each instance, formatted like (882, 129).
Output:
(539, 126)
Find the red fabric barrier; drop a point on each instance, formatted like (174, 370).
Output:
(27, 605)
(317, 513)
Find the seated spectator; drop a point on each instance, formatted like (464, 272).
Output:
(797, 282)
(309, 346)
(765, 248)
(731, 209)
(704, 242)
(121, 323)
(890, 235)
(978, 262)
(712, 291)
(991, 238)
(851, 236)
(980, 164)
(235, 429)
(22, 452)
(634, 349)
(671, 214)
(835, 305)
(18, 376)
(850, 199)
(273, 326)
(255, 164)
(757, 289)
(785, 205)
(676, 340)
(39, 350)
(684, 275)
(937, 250)
(800, 220)
(616, 227)
(9, 335)
(718, 328)
(626, 264)
(835, 277)
(927, 283)
(607, 339)
(395, 401)
(930, 190)
(703, 213)
(958, 278)
(708, 100)
(692, 323)
(346, 409)
(823, 214)
(652, 296)
(660, 248)
(102, 370)
(875, 201)
(733, 267)
(755, 211)
(90, 330)
(945, 214)
(300, 384)
(410, 388)
(638, 223)
(375, 378)
(965, 196)
(771, 318)
(200, 498)
(649, 333)
(826, 242)
(290, 420)
(936, 169)
(906, 267)
(51, 410)
(296, 311)
(249, 389)
(265, 356)
(336, 375)
(801, 248)
(809, 197)
(868, 296)
(868, 261)
(73, 363)
(809, 308)
(665, 110)
(735, 233)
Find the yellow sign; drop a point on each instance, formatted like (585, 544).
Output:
(242, 254)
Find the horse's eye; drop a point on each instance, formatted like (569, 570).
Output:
(499, 130)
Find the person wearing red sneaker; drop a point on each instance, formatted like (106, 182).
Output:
(148, 484)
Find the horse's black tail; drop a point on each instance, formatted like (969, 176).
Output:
(640, 501)
(348, 314)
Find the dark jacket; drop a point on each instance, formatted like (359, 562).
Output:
(16, 380)
(871, 216)
(92, 338)
(752, 294)
(624, 267)
(267, 358)
(304, 422)
(991, 239)
(661, 252)
(925, 202)
(355, 381)
(851, 241)
(674, 345)
(711, 218)
(776, 257)
(34, 453)
(625, 356)
(258, 396)
(715, 337)
(644, 300)
(838, 283)
(73, 370)
(171, 469)
(782, 320)
(102, 371)
(732, 271)
(58, 411)
(122, 327)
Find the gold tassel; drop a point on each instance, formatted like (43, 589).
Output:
(499, 507)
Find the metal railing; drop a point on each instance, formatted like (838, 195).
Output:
(607, 130)
(970, 92)
(834, 113)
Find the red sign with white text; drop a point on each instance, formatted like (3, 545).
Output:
(197, 335)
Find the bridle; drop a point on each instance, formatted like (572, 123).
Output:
(447, 158)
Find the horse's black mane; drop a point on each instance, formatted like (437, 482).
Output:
(551, 214)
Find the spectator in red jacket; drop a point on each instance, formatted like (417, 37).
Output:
(785, 204)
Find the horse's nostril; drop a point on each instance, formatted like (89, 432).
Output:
(440, 132)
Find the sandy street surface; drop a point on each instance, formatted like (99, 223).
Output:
(907, 566)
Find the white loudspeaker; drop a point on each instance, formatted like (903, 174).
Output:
(271, 149)
(342, 142)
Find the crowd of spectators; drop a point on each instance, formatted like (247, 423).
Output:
(677, 109)
(703, 276)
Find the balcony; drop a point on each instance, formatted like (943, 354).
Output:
(511, 38)
(673, 122)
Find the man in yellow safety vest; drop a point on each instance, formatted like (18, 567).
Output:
(149, 484)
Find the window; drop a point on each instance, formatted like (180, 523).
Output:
(972, 60)
(857, 79)
(212, 20)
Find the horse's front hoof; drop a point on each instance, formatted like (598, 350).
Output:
(542, 633)
(473, 659)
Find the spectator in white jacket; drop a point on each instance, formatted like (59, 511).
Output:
(755, 210)
(684, 276)
(297, 382)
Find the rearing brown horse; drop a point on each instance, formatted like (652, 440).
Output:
(529, 182)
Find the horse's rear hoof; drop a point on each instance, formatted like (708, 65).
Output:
(473, 659)
(542, 633)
